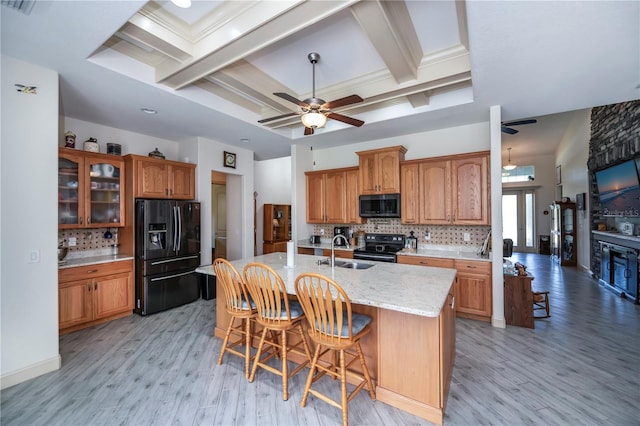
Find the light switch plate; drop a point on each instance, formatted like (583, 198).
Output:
(72, 241)
(467, 236)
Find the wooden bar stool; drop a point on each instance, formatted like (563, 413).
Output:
(239, 305)
(334, 328)
(279, 315)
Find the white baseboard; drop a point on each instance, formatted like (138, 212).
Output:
(30, 372)
(499, 323)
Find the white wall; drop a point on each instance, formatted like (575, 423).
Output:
(272, 182)
(572, 155)
(239, 196)
(454, 140)
(28, 189)
(132, 143)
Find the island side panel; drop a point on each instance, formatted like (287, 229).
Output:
(409, 363)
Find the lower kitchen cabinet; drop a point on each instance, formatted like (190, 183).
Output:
(92, 294)
(472, 290)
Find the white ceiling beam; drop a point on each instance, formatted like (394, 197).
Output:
(213, 56)
(390, 29)
(418, 99)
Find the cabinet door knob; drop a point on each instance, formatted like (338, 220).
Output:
(95, 286)
(89, 286)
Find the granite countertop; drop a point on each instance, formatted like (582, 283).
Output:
(446, 252)
(74, 260)
(414, 289)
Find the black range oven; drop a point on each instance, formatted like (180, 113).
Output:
(380, 247)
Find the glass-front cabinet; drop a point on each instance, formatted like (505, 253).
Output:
(563, 233)
(90, 190)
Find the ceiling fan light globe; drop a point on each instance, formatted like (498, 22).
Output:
(509, 167)
(313, 120)
(182, 3)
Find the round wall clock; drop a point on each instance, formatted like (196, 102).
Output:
(229, 159)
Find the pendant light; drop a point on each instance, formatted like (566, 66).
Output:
(509, 166)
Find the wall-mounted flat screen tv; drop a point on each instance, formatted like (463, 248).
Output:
(619, 189)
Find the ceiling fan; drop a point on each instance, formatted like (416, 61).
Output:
(315, 111)
(506, 127)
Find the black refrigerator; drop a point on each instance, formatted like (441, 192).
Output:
(167, 254)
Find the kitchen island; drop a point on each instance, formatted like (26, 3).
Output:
(411, 349)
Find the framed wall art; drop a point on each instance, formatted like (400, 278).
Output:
(229, 159)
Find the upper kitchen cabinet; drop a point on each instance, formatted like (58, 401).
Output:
(352, 176)
(380, 170)
(326, 196)
(446, 190)
(158, 178)
(90, 189)
(470, 195)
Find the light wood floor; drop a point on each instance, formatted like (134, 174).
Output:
(579, 367)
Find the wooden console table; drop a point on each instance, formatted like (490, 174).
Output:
(518, 300)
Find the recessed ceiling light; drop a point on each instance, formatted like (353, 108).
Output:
(148, 111)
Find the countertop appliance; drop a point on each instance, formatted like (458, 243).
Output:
(167, 235)
(382, 205)
(344, 230)
(380, 247)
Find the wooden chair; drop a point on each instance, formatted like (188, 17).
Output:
(334, 328)
(276, 313)
(239, 305)
(540, 302)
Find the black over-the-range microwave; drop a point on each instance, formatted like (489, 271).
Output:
(384, 205)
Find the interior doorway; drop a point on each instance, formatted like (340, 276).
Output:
(518, 219)
(218, 215)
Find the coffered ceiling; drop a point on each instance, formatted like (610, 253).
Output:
(212, 70)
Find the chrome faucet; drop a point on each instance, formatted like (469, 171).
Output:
(333, 252)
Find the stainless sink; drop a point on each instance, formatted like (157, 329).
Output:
(328, 262)
(355, 265)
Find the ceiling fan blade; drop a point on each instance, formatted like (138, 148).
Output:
(308, 131)
(345, 119)
(509, 130)
(347, 100)
(290, 98)
(289, 114)
(520, 122)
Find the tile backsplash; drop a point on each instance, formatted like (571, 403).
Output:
(88, 239)
(438, 234)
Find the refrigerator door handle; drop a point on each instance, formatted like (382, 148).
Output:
(179, 240)
(175, 229)
(175, 259)
(167, 277)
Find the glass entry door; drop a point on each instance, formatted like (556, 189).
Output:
(518, 219)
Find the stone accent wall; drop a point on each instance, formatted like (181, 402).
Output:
(615, 137)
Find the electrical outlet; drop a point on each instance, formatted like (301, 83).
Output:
(72, 241)
(34, 256)
(427, 236)
(321, 231)
(466, 236)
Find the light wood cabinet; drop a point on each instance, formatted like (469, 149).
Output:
(446, 190)
(276, 227)
(352, 177)
(435, 262)
(472, 289)
(410, 194)
(90, 190)
(164, 179)
(380, 170)
(326, 196)
(89, 295)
